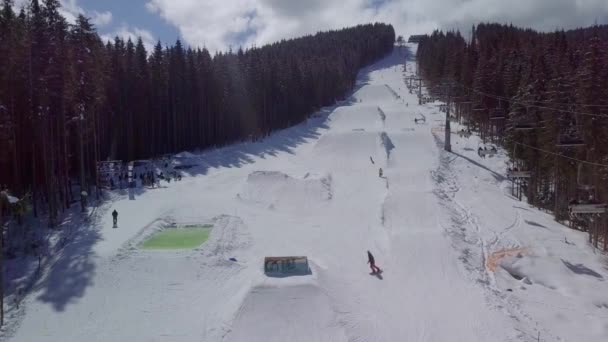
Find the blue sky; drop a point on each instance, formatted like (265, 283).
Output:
(132, 14)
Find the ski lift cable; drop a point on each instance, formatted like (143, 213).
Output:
(559, 154)
(496, 97)
(539, 101)
(540, 107)
(537, 106)
(540, 149)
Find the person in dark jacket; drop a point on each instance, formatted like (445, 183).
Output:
(115, 217)
(372, 263)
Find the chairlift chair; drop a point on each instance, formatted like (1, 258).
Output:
(587, 208)
(497, 114)
(525, 127)
(513, 174)
(570, 141)
(479, 109)
(585, 202)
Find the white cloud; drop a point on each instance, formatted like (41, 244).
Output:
(126, 32)
(70, 10)
(247, 22)
(101, 18)
(18, 4)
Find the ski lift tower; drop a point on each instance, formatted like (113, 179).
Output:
(446, 90)
(518, 173)
(569, 138)
(497, 117)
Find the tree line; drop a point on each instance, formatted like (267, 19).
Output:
(544, 96)
(68, 99)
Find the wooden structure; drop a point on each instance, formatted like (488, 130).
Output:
(107, 170)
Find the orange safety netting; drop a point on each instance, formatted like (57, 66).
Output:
(494, 258)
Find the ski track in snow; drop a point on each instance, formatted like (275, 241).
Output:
(433, 220)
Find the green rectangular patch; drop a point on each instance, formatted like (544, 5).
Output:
(178, 238)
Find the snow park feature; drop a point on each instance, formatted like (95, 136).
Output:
(464, 260)
(178, 237)
(286, 266)
(275, 190)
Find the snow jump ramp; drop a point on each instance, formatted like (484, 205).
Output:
(286, 266)
(300, 313)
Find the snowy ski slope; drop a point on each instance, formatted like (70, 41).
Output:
(462, 259)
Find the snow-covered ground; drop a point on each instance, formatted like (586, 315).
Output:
(462, 259)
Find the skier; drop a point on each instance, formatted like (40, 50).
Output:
(115, 217)
(372, 263)
(380, 173)
(370, 158)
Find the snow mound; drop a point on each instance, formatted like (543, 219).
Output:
(568, 278)
(374, 93)
(345, 119)
(287, 313)
(350, 150)
(276, 190)
(11, 199)
(228, 235)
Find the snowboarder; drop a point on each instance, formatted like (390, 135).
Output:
(115, 218)
(372, 263)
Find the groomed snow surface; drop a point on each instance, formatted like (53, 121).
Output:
(462, 259)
